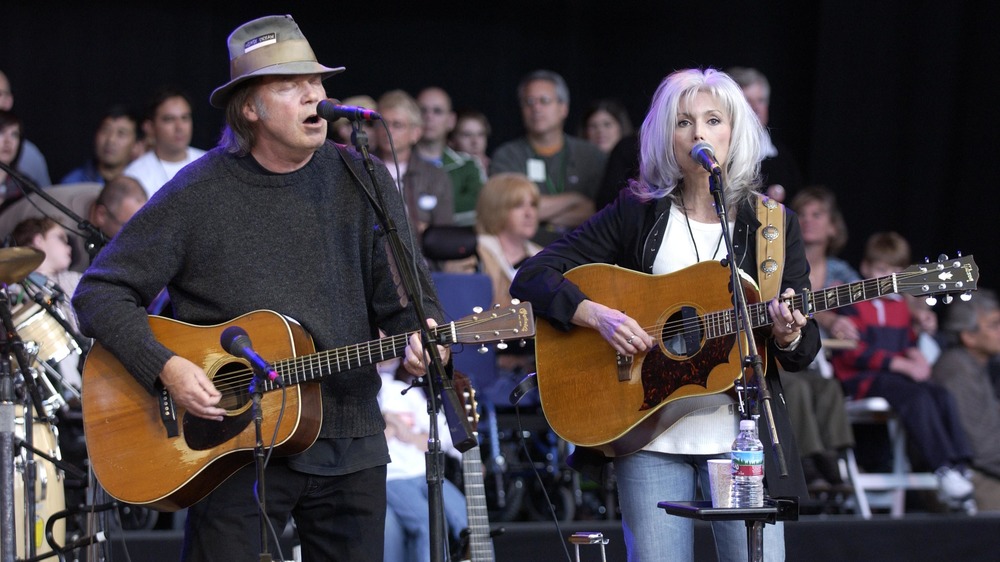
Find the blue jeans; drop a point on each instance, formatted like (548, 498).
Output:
(651, 534)
(407, 534)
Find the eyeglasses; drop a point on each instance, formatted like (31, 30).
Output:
(400, 124)
(542, 100)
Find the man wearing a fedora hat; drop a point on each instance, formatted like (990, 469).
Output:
(269, 219)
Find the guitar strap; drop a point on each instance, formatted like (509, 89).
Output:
(770, 246)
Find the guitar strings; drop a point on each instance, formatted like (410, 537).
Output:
(720, 319)
(239, 380)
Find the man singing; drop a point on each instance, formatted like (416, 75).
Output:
(269, 219)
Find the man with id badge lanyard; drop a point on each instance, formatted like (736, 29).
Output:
(567, 170)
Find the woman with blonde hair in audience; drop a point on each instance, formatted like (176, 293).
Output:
(506, 220)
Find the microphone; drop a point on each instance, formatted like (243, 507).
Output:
(46, 284)
(236, 341)
(704, 154)
(331, 110)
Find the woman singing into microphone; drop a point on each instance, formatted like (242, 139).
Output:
(665, 222)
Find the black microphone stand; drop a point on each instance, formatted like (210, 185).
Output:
(756, 391)
(439, 384)
(95, 239)
(256, 396)
(752, 359)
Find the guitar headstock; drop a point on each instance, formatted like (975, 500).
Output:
(467, 394)
(945, 276)
(497, 324)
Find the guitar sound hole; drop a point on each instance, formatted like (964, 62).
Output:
(683, 333)
(233, 381)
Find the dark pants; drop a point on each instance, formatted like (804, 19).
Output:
(929, 415)
(338, 518)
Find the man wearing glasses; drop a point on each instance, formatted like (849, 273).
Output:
(567, 169)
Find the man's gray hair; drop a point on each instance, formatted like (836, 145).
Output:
(562, 90)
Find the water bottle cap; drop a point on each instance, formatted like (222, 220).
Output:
(747, 425)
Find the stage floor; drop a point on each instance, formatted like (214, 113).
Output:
(915, 538)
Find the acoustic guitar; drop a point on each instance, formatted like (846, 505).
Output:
(146, 451)
(617, 404)
(478, 541)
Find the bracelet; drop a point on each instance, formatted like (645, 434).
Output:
(791, 346)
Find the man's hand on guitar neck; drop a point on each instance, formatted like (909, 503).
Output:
(416, 360)
(190, 387)
(619, 329)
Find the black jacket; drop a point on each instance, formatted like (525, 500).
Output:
(628, 233)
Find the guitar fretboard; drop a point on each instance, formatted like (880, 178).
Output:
(315, 366)
(480, 543)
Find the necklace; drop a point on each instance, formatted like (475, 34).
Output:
(697, 256)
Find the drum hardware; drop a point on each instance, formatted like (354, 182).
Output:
(15, 265)
(48, 295)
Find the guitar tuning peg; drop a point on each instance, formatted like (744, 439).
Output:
(927, 259)
(943, 257)
(482, 350)
(477, 309)
(959, 253)
(515, 302)
(502, 345)
(947, 299)
(966, 296)
(931, 301)
(522, 343)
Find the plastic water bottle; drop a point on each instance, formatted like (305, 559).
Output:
(748, 467)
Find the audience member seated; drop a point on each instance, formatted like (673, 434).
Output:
(779, 170)
(107, 208)
(471, 136)
(168, 126)
(567, 169)
(114, 145)
(506, 221)
(426, 189)
(10, 150)
(885, 363)
(824, 233)
(971, 331)
(342, 128)
(465, 175)
(622, 166)
(30, 162)
(406, 431)
(813, 396)
(45, 235)
(605, 123)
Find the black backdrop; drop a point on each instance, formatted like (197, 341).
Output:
(889, 103)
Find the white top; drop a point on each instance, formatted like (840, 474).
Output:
(711, 430)
(408, 460)
(152, 172)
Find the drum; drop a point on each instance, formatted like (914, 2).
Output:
(50, 496)
(33, 323)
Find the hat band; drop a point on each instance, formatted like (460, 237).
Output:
(292, 50)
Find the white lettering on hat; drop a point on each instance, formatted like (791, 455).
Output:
(258, 42)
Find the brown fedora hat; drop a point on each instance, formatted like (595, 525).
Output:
(264, 47)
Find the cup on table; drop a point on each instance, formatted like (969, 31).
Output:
(720, 480)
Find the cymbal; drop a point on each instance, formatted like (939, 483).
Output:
(17, 262)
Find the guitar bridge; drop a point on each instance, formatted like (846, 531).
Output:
(624, 363)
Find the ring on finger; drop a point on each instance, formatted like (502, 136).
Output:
(629, 341)
(788, 326)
